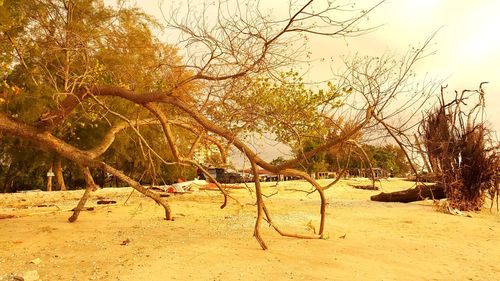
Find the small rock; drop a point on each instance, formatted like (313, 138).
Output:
(125, 242)
(36, 261)
(31, 275)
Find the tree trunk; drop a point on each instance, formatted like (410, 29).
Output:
(89, 186)
(69, 178)
(49, 177)
(101, 178)
(7, 184)
(260, 206)
(419, 193)
(59, 174)
(49, 142)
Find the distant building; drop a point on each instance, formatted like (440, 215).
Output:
(367, 173)
(326, 175)
(265, 175)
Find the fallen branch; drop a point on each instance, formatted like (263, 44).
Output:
(418, 193)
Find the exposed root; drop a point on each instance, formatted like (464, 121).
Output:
(460, 147)
(283, 233)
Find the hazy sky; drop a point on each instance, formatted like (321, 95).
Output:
(467, 45)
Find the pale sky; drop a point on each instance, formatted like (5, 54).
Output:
(468, 44)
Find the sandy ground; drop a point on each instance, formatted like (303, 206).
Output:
(364, 240)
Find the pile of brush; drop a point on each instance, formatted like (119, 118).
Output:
(462, 155)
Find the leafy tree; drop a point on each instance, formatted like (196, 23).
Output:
(316, 163)
(51, 48)
(388, 157)
(278, 161)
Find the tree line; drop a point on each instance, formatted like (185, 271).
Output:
(51, 49)
(389, 157)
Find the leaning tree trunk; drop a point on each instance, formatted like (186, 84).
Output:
(260, 206)
(48, 142)
(89, 187)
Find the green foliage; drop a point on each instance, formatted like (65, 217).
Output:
(277, 161)
(388, 157)
(284, 106)
(317, 162)
(288, 108)
(172, 173)
(50, 49)
(21, 166)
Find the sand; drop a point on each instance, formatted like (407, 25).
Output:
(364, 240)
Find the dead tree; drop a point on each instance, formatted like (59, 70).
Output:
(418, 193)
(461, 151)
(462, 157)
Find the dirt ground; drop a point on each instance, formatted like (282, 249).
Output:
(130, 241)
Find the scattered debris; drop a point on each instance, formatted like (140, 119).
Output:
(106, 201)
(445, 207)
(6, 216)
(190, 186)
(46, 205)
(342, 236)
(16, 278)
(365, 187)
(85, 209)
(213, 186)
